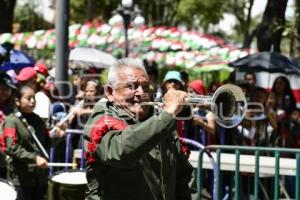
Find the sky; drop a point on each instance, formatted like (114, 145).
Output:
(258, 8)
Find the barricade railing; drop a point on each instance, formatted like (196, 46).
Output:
(68, 152)
(250, 160)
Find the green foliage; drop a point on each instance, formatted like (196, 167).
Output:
(236, 7)
(29, 20)
(208, 11)
(104, 77)
(83, 10)
(78, 13)
(23, 14)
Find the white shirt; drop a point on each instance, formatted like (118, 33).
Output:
(42, 107)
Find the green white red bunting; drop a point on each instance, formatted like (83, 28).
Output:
(169, 46)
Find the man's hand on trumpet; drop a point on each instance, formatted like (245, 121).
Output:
(174, 101)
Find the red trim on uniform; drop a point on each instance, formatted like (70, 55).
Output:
(101, 127)
(8, 132)
(2, 143)
(184, 147)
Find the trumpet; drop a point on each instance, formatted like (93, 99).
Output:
(228, 104)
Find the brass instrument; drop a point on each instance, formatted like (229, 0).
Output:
(228, 104)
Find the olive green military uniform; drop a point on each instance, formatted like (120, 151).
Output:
(2, 153)
(134, 160)
(22, 151)
(4, 111)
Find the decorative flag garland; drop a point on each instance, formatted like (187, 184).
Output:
(168, 46)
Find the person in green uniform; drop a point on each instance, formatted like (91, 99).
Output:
(27, 165)
(132, 149)
(6, 107)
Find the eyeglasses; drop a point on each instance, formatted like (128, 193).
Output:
(132, 86)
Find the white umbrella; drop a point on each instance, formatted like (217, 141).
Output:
(89, 57)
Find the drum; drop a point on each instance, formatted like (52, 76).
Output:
(69, 185)
(7, 190)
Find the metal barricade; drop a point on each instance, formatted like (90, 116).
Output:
(68, 152)
(68, 183)
(249, 160)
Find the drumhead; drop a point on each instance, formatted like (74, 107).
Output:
(73, 178)
(7, 191)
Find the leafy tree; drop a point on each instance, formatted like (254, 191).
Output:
(6, 15)
(207, 11)
(242, 10)
(29, 20)
(269, 31)
(78, 11)
(212, 11)
(157, 12)
(87, 10)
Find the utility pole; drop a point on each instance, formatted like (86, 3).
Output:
(62, 47)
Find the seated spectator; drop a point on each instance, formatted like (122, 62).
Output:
(172, 80)
(270, 109)
(247, 89)
(294, 127)
(203, 117)
(285, 104)
(201, 128)
(285, 99)
(93, 92)
(264, 117)
(250, 78)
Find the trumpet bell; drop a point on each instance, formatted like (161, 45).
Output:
(229, 105)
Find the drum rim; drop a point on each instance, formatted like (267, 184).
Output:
(66, 171)
(11, 186)
(8, 182)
